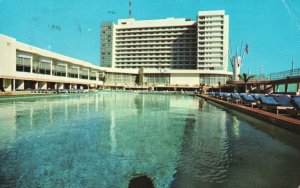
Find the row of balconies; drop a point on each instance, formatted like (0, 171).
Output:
(210, 22)
(221, 31)
(211, 28)
(210, 56)
(157, 67)
(209, 48)
(169, 44)
(165, 51)
(158, 29)
(211, 41)
(161, 60)
(211, 45)
(210, 59)
(169, 39)
(151, 38)
(211, 18)
(156, 43)
(207, 25)
(210, 38)
(210, 34)
(157, 63)
(154, 65)
(208, 64)
(173, 47)
(210, 51)
(143, 55)
(157, 55)
(155, 35)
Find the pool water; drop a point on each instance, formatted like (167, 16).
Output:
(105, 139)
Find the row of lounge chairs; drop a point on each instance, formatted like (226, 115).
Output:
(277, 103)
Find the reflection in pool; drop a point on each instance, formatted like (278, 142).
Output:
(105, 139)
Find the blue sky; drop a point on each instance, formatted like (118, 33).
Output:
(71, 27)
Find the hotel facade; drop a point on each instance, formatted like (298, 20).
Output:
(152, 53)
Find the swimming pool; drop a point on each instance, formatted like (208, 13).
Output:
(105, 139)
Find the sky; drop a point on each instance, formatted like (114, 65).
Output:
(271, 28)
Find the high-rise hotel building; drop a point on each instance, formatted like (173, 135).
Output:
(167, 43)
(175, 50)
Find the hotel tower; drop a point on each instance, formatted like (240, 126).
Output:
(172, 43)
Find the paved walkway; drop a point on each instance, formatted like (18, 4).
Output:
(19, 93)
(282, 121)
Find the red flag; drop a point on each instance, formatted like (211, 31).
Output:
(246, 48)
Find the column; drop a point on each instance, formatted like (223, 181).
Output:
(13, 85)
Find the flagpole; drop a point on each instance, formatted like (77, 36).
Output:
(241, 47)
(230, 57)
(230, 53)
(230, 49)
(244, 52)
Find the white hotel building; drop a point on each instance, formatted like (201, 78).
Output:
(168, 53)
(179, 50)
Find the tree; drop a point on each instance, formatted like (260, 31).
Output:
(246, 79)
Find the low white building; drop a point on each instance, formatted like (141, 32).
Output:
(23, 66)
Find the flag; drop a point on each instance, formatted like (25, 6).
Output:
(246, 48)
(130, 9)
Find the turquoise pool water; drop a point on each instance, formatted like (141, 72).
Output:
(105, 139)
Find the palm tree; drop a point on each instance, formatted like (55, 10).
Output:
(103, 79)
(246, 78)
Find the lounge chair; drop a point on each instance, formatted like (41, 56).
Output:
(257, 96)
(296, 102)
(218, 95)
(248, 100)
(226, 96)
(235, 98)
(276, 103)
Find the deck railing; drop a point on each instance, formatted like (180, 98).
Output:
(285, 74)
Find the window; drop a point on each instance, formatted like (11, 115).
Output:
(23, 64)
(41, 67)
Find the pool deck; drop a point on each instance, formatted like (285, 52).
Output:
(279, 120)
